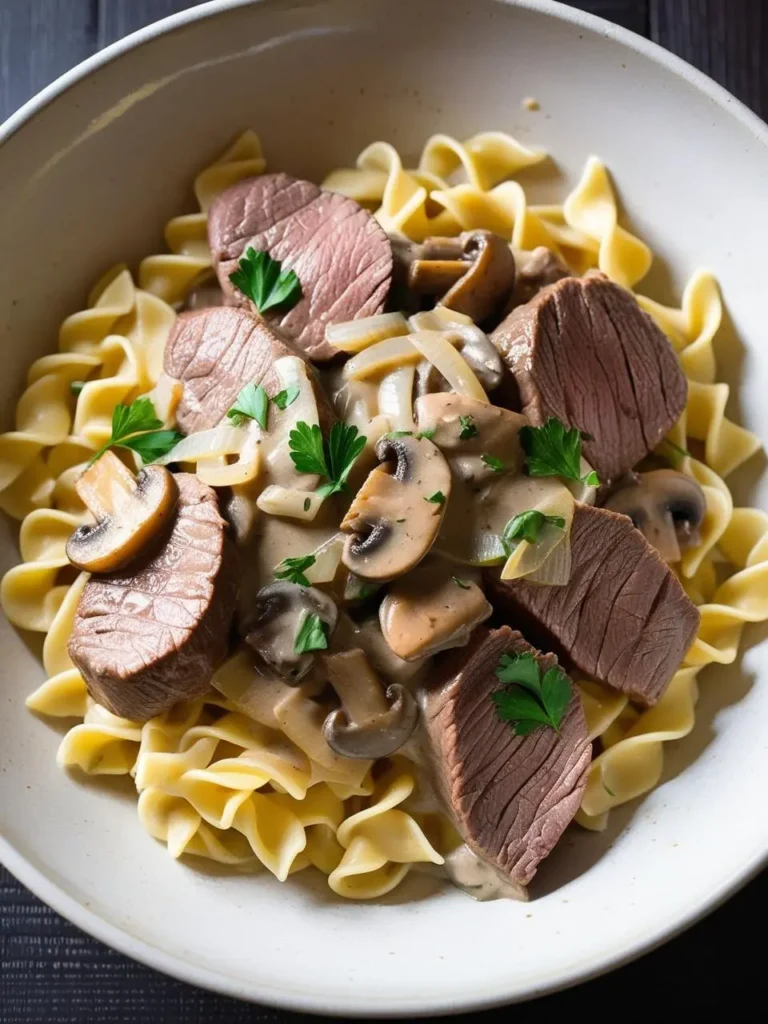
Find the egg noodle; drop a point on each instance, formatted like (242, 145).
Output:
(264, 789)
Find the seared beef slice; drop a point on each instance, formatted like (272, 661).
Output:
(584, 352)
(342, 257)
(150, 636)
(622, 619)
(215, 352)
(511, 796)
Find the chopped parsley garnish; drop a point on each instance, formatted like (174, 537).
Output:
(307, 504)
(312, 635)
(293, 569)
(493, 463)
(287, 397)
(264, 282)
(137, 427)
(527, 526)
(252, 404)
(76, 386)
(332, 458)
(553, 450)
(527, 701)
(460, 583)
(468, 428)
(438, 498)
(429, 433)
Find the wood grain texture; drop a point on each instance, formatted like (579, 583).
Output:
(727, 39)
(52, 972)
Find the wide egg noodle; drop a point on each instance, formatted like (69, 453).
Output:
(264, 791)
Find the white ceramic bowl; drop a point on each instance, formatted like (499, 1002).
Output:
(90, 171)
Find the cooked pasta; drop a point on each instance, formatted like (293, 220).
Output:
(263, 789)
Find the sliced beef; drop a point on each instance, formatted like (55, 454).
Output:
(215, 352)
(584, 352)
(623, 619)
(511, 796)
(342, 257)
(146, 638)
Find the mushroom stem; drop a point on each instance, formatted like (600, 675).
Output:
(435, 277)
(106, 486)
(357, 685)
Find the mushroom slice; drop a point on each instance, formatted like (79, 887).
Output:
(397, 513)
(130, 512)
(277, 616)
(431, 610)
(475, 281)
(370, 723)
(666, 506)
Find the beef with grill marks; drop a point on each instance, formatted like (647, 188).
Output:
(511, 796)
(152, 635)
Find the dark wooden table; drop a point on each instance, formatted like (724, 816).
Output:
(50, 971)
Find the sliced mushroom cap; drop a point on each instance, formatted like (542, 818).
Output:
(131, 513)
(396, 514)
(432, 609)
(275, 620)
(536, 268)
(486, 282)
(666, 506)
(370, 723)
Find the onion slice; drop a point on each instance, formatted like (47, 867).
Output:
(206, 444)
(438, 348)
(290, 502)
(396, 398)
(356, 335)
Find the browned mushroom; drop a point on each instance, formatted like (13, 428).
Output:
(475, 274)
(371, 722)
(431, 610)
(666, 506)
(280, 609)
(130, 512)
(396, 514)
(536, 268)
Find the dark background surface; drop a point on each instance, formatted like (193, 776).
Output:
(52, 972)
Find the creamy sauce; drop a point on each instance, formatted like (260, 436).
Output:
(478, 879)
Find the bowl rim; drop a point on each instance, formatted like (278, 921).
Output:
(55, 896)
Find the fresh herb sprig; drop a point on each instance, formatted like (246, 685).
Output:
(528, 526)
(264, 282)
(554, 450)
(137, 427)
(527, 700)
(331, 457)
(468, 429)
(293, 569)
(312, 635)
(252, 404)
(287, 397)
(438, 498)
(493, 462)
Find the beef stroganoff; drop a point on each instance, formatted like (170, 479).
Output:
(381, 524)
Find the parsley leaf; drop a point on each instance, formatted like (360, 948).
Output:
(528, 701)
(76, 386)
(527, 526)
(460, 583)
(135, 426)
(468, 428)
(264, 282)
(292, 569)
(493, 463)
(252, 404)
(287, 397)
(552, 450)
(438, 498)
(311, 636)
(429, 433)
(153, 445)
(332, 458)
